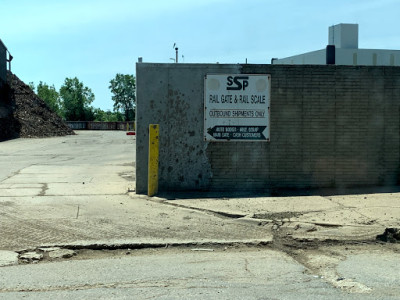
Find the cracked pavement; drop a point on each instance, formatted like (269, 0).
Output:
(78, 192)
(80, 189)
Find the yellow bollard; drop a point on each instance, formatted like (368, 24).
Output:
(152, 187)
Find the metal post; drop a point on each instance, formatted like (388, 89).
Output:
(10, 58)
(152, 184)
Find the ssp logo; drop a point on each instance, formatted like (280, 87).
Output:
(237, 83)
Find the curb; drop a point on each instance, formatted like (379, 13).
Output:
(103, 245)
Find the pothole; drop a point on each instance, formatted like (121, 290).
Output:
(53, 254)
(391, 235)
(45, 253)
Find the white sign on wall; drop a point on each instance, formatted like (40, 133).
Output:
(236, 107)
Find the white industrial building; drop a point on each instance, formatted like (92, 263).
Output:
(343, 49)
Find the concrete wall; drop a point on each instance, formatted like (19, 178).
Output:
(331, 126)
(172, 95)
(96, 125)
(3, 63)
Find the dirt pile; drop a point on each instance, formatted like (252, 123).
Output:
(25, 115)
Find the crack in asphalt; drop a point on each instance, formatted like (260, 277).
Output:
(353, 209)
(12, 175)
(127, 284)
(205, 210)
(44, 189)
(303, 251)
(272, 217)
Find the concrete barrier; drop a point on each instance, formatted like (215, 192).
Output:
(88, 125)
(330, 127)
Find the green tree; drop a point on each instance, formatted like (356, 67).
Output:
(76, 99)
(99, 115)
(107, 116)
(49, 95)
(32, 85)
(123, 88)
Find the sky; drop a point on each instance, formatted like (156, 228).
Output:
(94, 40)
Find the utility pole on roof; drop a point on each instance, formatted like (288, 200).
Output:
(10, 58)
(176, 52)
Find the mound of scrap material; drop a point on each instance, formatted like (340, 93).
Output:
(25, 115)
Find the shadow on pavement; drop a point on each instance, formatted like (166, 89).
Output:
(279, 192)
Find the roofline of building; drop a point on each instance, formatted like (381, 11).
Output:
(1, 42)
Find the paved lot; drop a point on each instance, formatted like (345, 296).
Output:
(80, 190)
